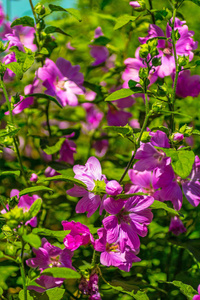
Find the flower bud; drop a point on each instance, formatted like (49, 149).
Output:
(39, 9)
(143, 73)
(138, 5)
(144, 51)
(113, 188)
(34, 177)
(178, 136)
(183, 60)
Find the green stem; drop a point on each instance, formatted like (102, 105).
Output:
(147, 115)
(176, 71)
(23, 273)
(152, 15)
(47, 118)
(3, 204)
(12, 121)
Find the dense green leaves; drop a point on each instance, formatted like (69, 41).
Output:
(62, 273)
(24, 21)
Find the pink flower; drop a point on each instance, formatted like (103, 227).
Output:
(188, 85)
(79, 235)
(197, 297)
(113, 188)
(134, 4)
(99, 53)
(34, 177)
(62, 81)
(91, 175)
(176, 226)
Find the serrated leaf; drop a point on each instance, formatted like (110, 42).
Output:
(61, 273)
(122, 130)
(53, 29)
(35, 189)
(123, 20)
(160, 205)
(72, 11)
(4, 173)
(182, 161)
(55, 148)
(40, 95)
(59, 235)
(24, 59)
(16, 68)
(120, 94)
(32, 239)
(24, 21)
(185, 289)
(65, 178)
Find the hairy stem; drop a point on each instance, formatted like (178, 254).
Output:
(139, 138)
(176, 71)
(14, 138)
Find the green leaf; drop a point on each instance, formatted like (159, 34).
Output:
(55, 148)
(72, 11)
(126, 196)
(24, 21)
(160, 205)
(35, 189)
(101, 41)
(65, 178)
(34, 209)
(59, 235)
(120, 94)
(185, 289)
(16, 68)
(197, 2)
(61, 272)
(55, 293)
(8, 132)
(140, 295)
(124, 131)
(52, 29)
(182, 161)
(123, 20)
(196, 132)
(29, 296)
(24, 59)
(161, 128)
(40, 95)
(32, 239)
(4, 173)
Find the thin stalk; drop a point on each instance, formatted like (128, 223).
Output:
(32, 8)
(176, 70)
(14, 138)
(23, 273)
(139, 138)
(3, 204)
(47, 118)
(152, 15)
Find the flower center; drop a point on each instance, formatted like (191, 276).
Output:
(167, 51)
(100, 187)
(55, 262)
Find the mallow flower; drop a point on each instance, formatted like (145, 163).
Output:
(176, 226)
(62, 80)
(99, 53)
(93, 197)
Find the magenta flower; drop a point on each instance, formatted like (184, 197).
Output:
(176, 226)
(93, 114)
(197, 297)
(113, 188)
(8, 75)
(67, 152)
(33, 177)
(178, 137)
(131, 72)
(128, 219)
(188, 85)
(117, 117)
(101, 147)
(99, 53)
(48, 256)
(184, 46)
(79, 235)
(14, 40)
(91, 175)
(62, 81)
(111, 253)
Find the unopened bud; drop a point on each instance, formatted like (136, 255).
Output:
(138, 5)
(39, 9)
